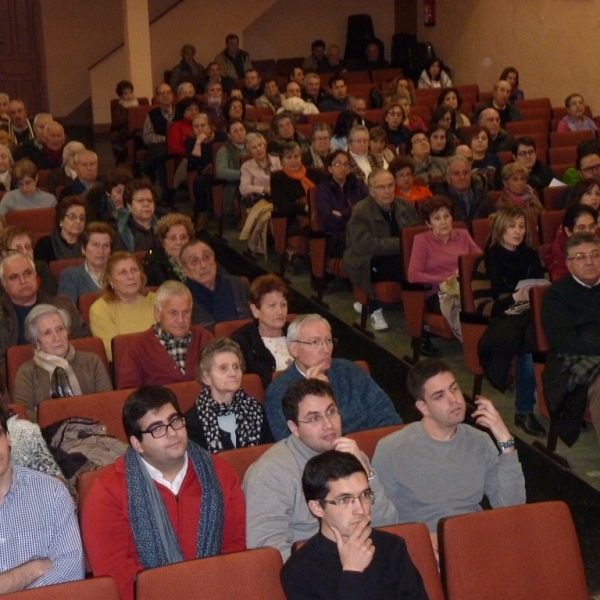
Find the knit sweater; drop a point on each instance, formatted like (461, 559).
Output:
(362, 403)
(277, 513)
(107, 534)
(15, 200)
(427, 479)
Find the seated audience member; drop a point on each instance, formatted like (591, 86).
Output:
(570, 319)
(338, 100)
(499, 139)
(576, 119)
(429, 168)
(316, 62)
(223, 416)
(456, 463)
(411, 122)
(578, 218)
(187, 67)
(511, 75)
(163, 263)
(6, 163)
(34, 145)
(451, 97)
(347, 557)
(19, 126)
(4, 100)
(313, 92)
(217, 295)
(434, 75)
(434, 259)
(39, 515)
(374, 58)
(346, 120)
(440, 144)
(277, 515)
(17, 238)
(397, 134)
(181, 128)
(358, 104)
(517, 191)
(228, 164)
(199, 149)
(233, 61)
(22, 293)
(359, 157)
(403, 171)
(372, 240)
(126, 305)
(119, 118)
(320, 147)
(255, 174)
(168, 352)
(378, 150)
(50, 154)
(56, 370)
(333, 55)
(271, 97)
(234, 108)
(499, 101)
(485, 163)
(188, 504)
(66, 174)
(284, 127)
(587, 166)
(86, 167)
(24, 176)
(400, 86)
(296, 74)
(468, 196)
(524, 152)
(213, 75)
(154, 135)
(185, 90)
(252, 89)
(336, 198)
(105, 202)
(363, 404)
(86, 278)
(136, 225)
(445, 116)
(585, 192)
(263, 342)
(64, 241)
(294, 103)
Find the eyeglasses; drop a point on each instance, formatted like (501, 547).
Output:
(394, 113)
(314, 344)
(591, 169)
(23, 249)
(367, 497)
(74, 217)
(178, 238)
(341, 165)
(143, 200)
(159, 431)
(581, 256)
(331, 413)
(197, 260)
(524, 153)
(420, 140)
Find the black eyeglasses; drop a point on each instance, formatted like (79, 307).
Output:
(314, 344)
(159, 431)
(366, 498)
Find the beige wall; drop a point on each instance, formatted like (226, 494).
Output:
(549, 42)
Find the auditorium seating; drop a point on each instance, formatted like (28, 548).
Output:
(39, 220)
(97, 588)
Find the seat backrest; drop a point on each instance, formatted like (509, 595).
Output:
(519, 128)
(248, 575)
(19, 410)
(536, 298)
(84, 485)
(85, 589)
(368, 439)
(315, 221)
(241, 458)
(186, 392)
(58, 266)
(550, 221)
(226, 328)
(569, 138)
(17, 355)
(135, 118)
(559, 155)
(551, 196)
(84, 304)
(39, 220)
(480, 230)
(527, 542)
(466, 262)
(119, 345)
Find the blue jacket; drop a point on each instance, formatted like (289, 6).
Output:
(75, 281)
(362, 403)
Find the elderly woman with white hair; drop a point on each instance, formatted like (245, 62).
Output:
(6, 163)
(56, 370)
(255, 173)
(66, 174)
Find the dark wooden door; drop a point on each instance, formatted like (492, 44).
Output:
(21, 55)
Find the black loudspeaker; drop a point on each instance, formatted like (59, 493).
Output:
(359, 33)
(402, 44)
(420, 54)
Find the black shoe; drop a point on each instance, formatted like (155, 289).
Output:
(529, 424)
(428, 349)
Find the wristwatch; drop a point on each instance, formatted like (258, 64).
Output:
(510, 443)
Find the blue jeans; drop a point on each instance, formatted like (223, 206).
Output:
(525, 388)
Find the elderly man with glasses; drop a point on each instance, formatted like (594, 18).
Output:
(363, 404)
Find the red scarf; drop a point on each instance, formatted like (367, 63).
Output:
(301, 177)
(56, 156)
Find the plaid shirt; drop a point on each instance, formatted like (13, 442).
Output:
(37, 520)
(177, 348)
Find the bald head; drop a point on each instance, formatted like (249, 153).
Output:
(86, 166)
(490, 119)
(464, 150)
(502, 91)
(54, 136)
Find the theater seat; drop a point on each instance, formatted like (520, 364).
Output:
(97, 588)
(39, 220)
(368, 439)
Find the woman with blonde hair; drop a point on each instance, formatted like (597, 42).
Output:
(517, 191)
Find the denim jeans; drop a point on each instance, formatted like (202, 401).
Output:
(525, 388)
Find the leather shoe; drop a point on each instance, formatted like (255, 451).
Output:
(529, 424)
(428, 349)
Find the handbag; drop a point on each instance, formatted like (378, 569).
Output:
(451, 286)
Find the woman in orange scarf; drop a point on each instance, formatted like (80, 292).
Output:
(289, 188)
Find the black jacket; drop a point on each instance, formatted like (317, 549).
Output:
(158, 268)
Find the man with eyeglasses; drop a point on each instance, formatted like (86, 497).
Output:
(524, 152)
(587, 166)
(168, 352)
(165, 501)
(277, 515)
(347, 558)
(363, 404)
(439, 466)
(571, 322)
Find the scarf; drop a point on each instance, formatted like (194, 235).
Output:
(176, 348)
(248, 413)
(524, 200)
(153, 535)
(62, 249)
(300, 176)
(56, 156)
(63, 381)
(219, 303)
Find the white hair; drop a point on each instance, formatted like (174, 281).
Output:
(42, 115)
(170, 289)
(76, 157)
(42, 310)
(11, 161)
(11, 258)
(69, 148)
(296, 325)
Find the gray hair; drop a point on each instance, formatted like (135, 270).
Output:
(253, 136)
(308, 76)
(85, 150)
(11, 160)
(320, 126)
(374, 174)
(582, 237)
(296, 325)
(11, 258)
(42, 115)
(182, 86)
(457, 158)
(214, 347)
(170, 289)
(194, 242)
(4, 96)
(69, 148)
(357, 129)
(43, 310)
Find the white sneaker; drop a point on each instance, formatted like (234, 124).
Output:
(358, 307)
(378, 321)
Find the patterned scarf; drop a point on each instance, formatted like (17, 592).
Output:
(249, 418)
(176, 348)
(177, 268)
(524, 200)
(584, 369)
(63, 381)
(153, 535)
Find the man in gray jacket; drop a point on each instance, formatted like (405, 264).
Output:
(276, 512)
